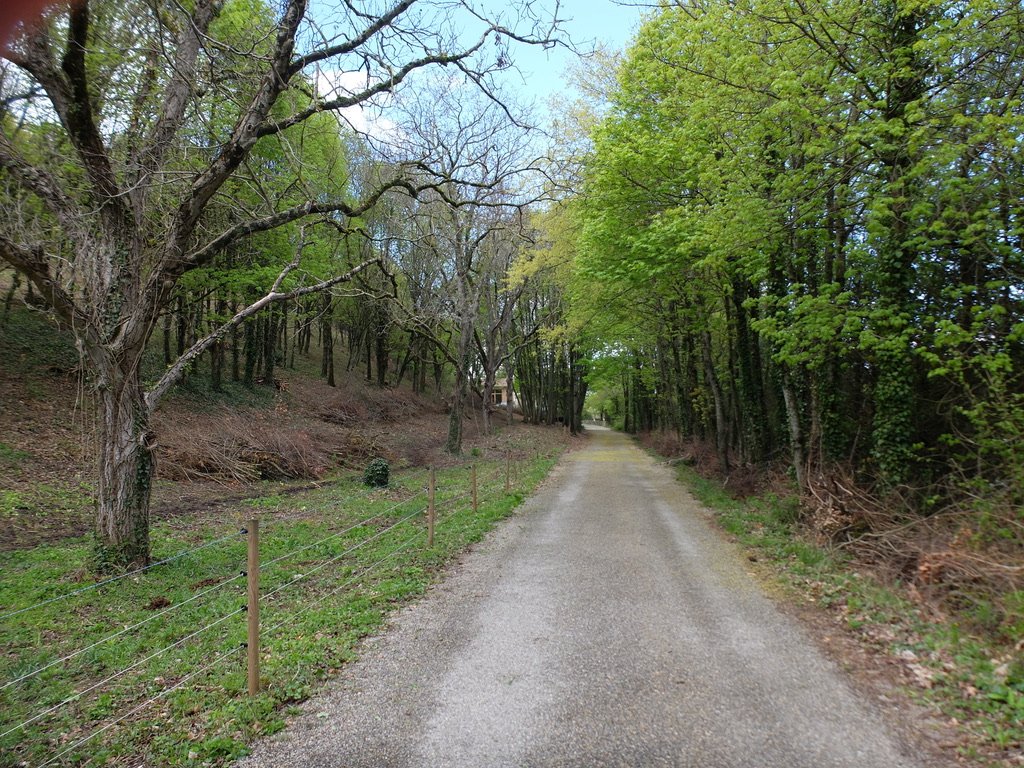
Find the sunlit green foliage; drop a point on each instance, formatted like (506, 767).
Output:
(814, 211)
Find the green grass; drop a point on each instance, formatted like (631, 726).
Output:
(975, 678)
(46, 505)
(341, 570)
(10, 503)
(11, 457)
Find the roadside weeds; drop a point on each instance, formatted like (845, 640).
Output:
(966, 692)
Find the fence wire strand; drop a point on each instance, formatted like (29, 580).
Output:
(347, 582)
(485, 486)
(350, 550)
(443, 504)
(119, 633)
(112, 579)
(368, 491)
(483, 491)
(333, 536)
(139, 708)
(79, 694)
(170, 559)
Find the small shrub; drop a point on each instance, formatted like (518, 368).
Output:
(377, 473)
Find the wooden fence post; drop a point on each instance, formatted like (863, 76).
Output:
(472, 474)
(253, 606)
(430, 508)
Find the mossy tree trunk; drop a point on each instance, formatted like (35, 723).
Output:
(126, 467)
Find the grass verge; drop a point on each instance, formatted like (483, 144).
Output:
(151, 668)
(976, 681)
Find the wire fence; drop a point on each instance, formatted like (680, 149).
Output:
(57, 703)
(114, 579)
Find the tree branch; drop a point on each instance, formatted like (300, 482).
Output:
(384, 86)
(243, 136)
(41, 184)
(176, 98)
(380, 23)
(81, 123)
(175, 372)
(32, 263)
(205, 253)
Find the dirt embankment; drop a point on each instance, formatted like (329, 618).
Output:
(215, 451)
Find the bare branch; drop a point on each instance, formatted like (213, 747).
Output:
(384, 86)
(177, 92)
(202, 255)
(39, 182)
(175, 372)
(33, 264)
(246, 131)
(375, 27)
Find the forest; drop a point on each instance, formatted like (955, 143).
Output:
(778, 236)
(779, 241)
(799, 231)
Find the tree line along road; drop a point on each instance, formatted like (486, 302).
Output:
(607, 624)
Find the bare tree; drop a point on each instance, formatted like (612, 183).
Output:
(493, 336)
(484, 173)
(124, 124)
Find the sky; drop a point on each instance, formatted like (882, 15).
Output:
(587, 21)
(539, 75)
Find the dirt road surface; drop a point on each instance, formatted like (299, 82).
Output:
(606, 624)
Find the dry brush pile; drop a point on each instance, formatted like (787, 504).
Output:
(952, 551)
(960, 551)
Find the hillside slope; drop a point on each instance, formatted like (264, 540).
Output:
(213, 448)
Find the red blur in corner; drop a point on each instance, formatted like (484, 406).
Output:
(25, 11)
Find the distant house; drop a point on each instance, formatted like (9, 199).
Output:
(502, 396)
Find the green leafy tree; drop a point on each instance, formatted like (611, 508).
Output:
(815, 209)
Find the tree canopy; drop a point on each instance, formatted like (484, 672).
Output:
(816, 208)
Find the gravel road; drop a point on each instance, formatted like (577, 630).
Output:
(606, 624)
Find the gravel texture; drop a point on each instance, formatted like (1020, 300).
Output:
(606, 624)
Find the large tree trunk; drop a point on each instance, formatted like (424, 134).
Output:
(269, 347)
(460, 392)
(327, 338)
(382, 351)
(570, 391)
(896, 390)
(236, 347)
(510, 392)
(796, 440)
(487, 393)
(167, 338)
(410, 351)
(126, 468)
